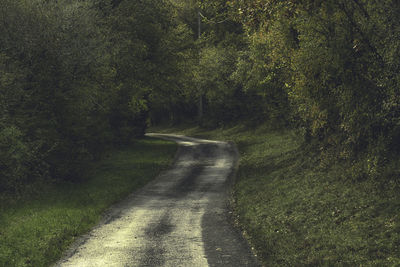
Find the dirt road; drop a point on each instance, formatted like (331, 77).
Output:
(179, 219)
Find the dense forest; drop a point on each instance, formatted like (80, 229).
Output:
(80, 76)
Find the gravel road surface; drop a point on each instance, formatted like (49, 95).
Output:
(180, 219)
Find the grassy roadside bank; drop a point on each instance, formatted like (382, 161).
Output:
(297, 213)
(37, 230)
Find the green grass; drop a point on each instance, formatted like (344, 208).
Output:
(36, 230)
(297, 213)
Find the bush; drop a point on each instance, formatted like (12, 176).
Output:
(15, 160)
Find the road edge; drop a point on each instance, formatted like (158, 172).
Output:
(232, 205)
(112, 212)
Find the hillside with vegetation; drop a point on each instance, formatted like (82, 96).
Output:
(313, 86)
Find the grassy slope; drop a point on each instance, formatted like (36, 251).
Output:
(298, 213)
(36, 231)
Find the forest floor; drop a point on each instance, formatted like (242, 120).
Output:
(297, 211)
(36, 229)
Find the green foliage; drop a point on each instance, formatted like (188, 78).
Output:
(262, 80)
(212, 77)
(52, 92)
(152, 58)
(77, 77)
(14, 157)
(329, 68)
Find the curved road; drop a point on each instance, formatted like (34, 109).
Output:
(179, 219)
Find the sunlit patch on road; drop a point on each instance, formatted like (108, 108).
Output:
(180, 219)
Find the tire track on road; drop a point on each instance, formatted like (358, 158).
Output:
(179, 219)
